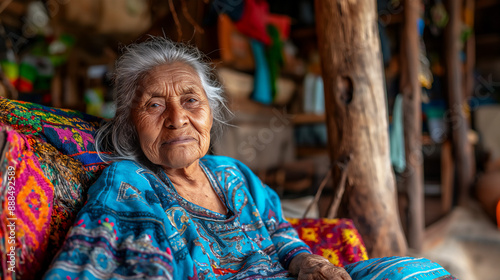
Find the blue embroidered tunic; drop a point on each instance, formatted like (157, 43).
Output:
(135, 226)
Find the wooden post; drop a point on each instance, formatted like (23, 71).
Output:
(470, 50)
(470, 63)
(412, 115)
(459, 125)
(356, 115)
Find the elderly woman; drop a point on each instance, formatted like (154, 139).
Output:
(164, 209)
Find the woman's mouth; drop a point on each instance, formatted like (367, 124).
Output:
(179, 140)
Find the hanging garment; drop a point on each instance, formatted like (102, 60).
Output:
(11, 71)
(274, 55)
(254, 20)
(397, 138)
(262, 80)
(282, 23)
(309, 85)
(319, 96)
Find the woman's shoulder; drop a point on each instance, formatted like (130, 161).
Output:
(122, 169)
(122, 164)
(123, 173)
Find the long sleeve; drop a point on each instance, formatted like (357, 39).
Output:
(285, 238)
(117, 233)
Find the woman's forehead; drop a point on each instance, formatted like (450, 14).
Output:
(170, 75)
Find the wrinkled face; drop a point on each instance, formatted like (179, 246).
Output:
(173, 117)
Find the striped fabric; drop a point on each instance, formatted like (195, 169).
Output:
(398, 268)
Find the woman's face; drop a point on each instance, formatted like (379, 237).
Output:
(172, 117)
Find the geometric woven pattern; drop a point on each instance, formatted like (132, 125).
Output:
(31, 214)
(69, 131)
(54, 148)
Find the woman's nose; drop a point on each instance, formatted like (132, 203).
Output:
(176, 117)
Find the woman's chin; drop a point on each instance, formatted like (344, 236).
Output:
(180, 156)
(179, 162)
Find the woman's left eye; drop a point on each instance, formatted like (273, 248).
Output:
(191, 100)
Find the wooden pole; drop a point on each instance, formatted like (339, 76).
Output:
(459, 125)
(412, 115)
(470, 50)
(356, 115)
(470, 63)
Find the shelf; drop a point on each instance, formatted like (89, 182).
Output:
(311, 151)
(308, 118)
(483, 4)
(305, 33)
(487, 39)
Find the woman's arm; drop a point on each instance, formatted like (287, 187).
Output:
(284, 237)
(294, 254)
(119, 233)
(97, 249)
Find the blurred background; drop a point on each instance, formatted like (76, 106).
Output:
(61, 53)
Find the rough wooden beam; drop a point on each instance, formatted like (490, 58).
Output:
(470, 64)
(470, 50)
(356, 115)
(412, 116)
(459, 125)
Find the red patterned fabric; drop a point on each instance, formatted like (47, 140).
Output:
(254, 20)
(335, 239)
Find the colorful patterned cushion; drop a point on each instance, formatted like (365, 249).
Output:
(335, 239)
(69, 131)
(57, 177)
(61, 143)
(70, 188)
(26, 209)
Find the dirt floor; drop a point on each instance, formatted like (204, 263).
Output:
(469, 246)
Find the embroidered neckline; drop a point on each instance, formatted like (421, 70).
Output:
(199, 211)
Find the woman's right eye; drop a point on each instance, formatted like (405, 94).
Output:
(154, 104)
(154, 107)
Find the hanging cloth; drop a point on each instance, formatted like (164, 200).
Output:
(274, 56)
(234, 9)
(262, 79)
(282, 23)
(319, 96)
(397, 138)
(309, 87)
(254, 20)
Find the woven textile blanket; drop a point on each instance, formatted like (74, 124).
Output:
(26, 209)
(69, 131)
(335, 239)
(52, 154)
(42, 191)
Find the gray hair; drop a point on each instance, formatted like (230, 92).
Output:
(119, 135)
